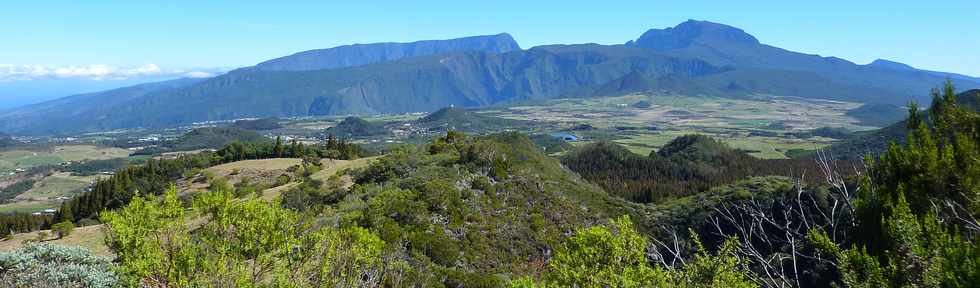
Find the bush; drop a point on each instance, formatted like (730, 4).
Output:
(282, 180)
(48, 265)
(63, 229)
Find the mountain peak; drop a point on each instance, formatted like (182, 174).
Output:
(891, 65)
(691, 31)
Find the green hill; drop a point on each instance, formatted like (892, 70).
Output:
(876, 141)
(461, 119)
(207, 138)
(258, 124)
(357, 127)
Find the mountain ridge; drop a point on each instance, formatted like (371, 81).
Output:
(721, 44)
(693, 58)
(362, 54)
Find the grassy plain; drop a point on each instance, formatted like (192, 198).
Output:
(88, 237)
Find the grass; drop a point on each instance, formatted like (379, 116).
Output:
(263, 164)
(88, 237)
(26, 206)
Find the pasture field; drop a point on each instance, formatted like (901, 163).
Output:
(766, 126)
(23, 158)
(48, 192)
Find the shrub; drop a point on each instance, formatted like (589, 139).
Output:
(282, 180)
(63, 229)
(48, 265)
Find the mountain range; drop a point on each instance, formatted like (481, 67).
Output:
(694, 58)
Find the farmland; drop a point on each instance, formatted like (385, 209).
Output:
(23, 158)
(764, 126)
(48, 192)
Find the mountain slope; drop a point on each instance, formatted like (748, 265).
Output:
(77, 110)
(363, 54)
(464, 79)
(694, 58)
(428, 83)
(721, 44)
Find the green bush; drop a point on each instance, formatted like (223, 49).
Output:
(63, 229)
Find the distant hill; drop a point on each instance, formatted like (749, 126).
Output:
(693, 58)
(258, 124)
(207, 138)
(878, 115)
(876, 141)
(455, 118)
(357, 127)
(363, 54)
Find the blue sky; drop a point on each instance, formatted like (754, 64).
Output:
(187, 35)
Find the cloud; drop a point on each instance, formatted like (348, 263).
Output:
(11, 72)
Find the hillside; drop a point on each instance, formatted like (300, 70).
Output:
(68, 113)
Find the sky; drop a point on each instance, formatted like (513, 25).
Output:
(114, 40)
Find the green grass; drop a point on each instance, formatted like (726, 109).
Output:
(26, 206)
(53, 187)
